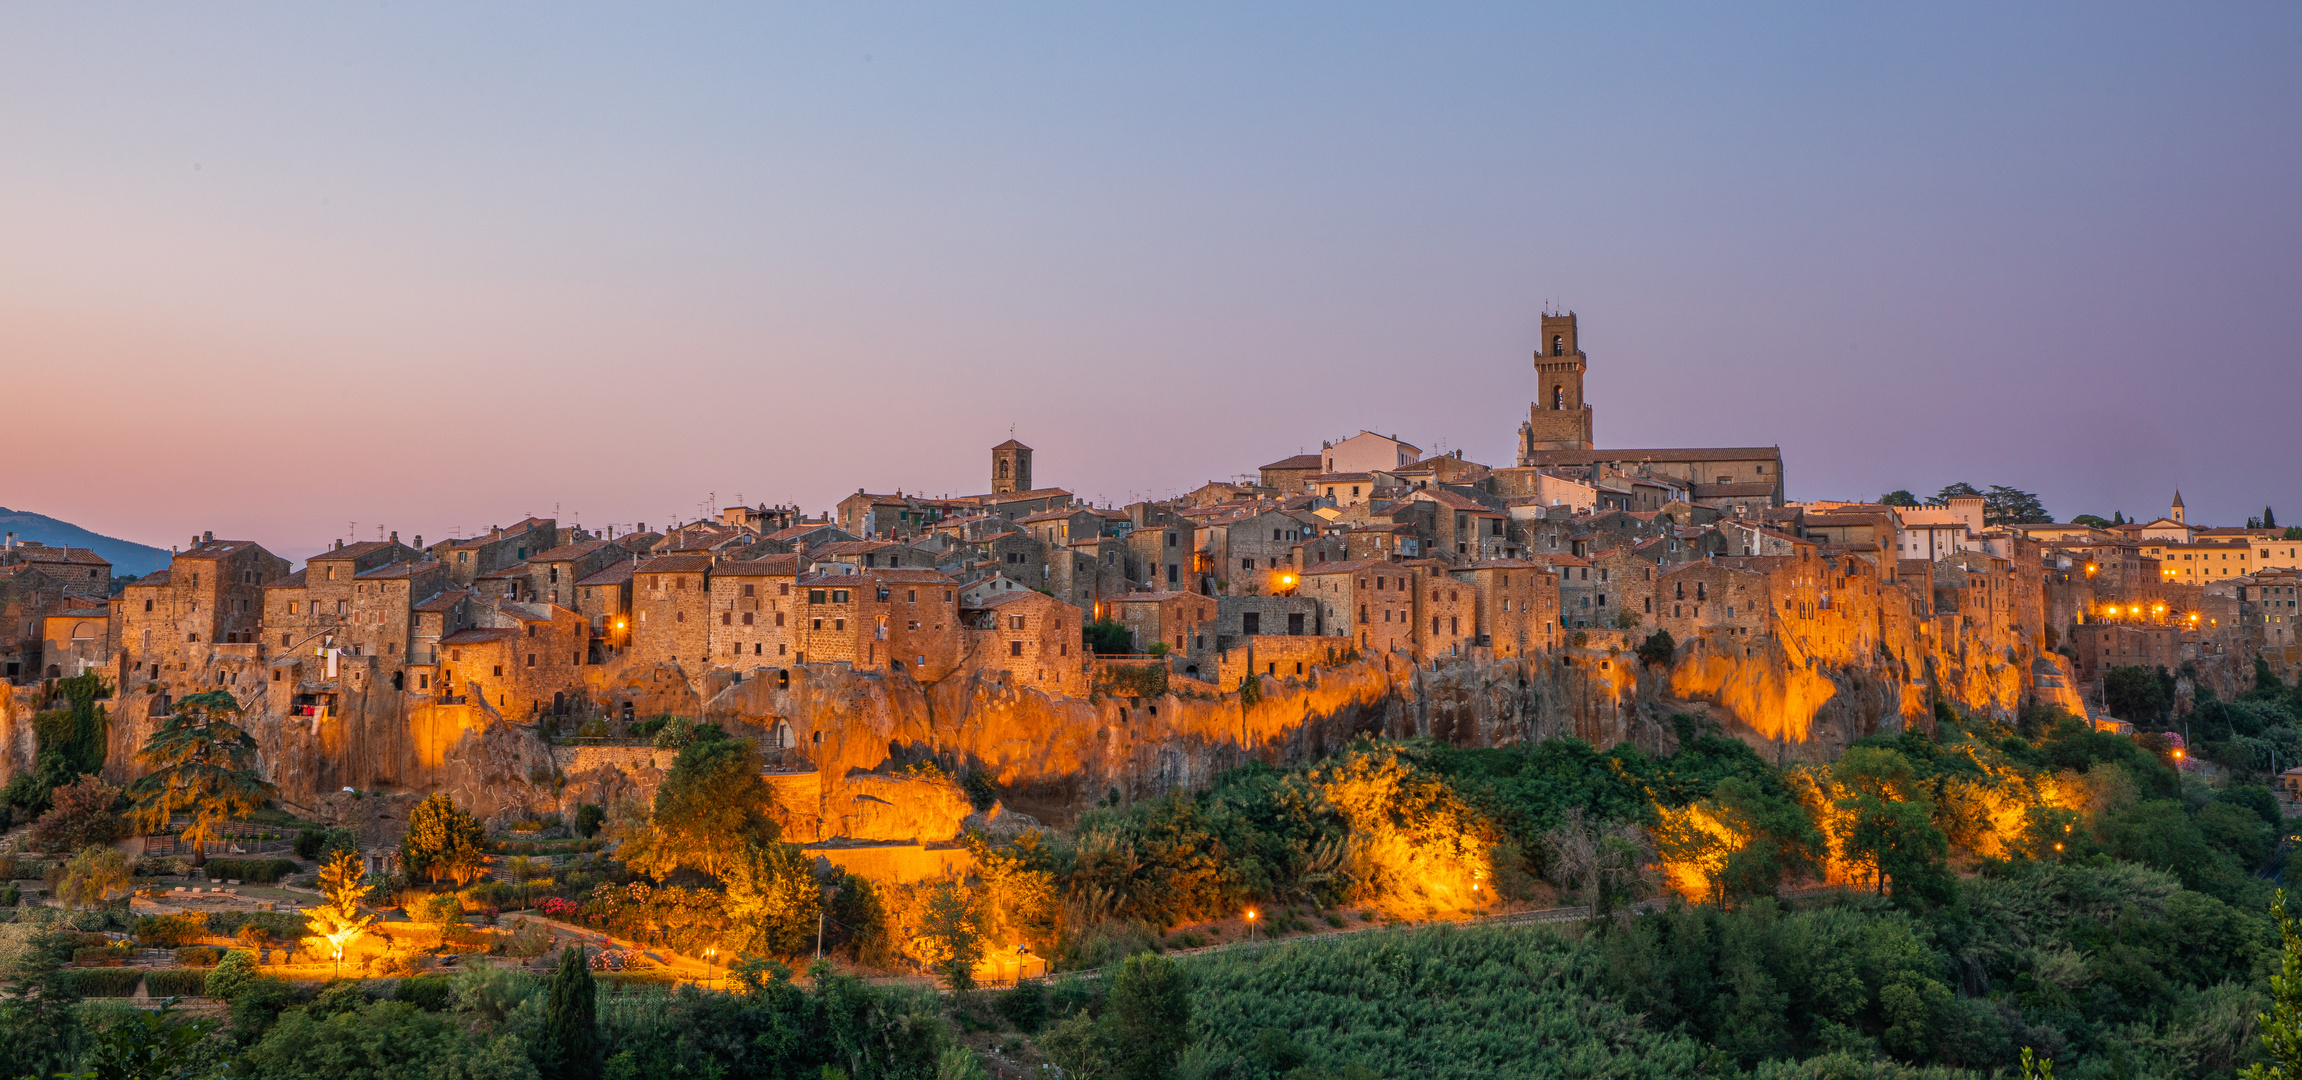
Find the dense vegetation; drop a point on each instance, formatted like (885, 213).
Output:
(1929, 905)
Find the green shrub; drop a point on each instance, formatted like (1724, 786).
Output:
(100, 954)
(169, 931)
(176, 982)
(254, 871)
(199, 956)
(32, 870)
(431, 993)
(102, 982)
(283, 925)
(10, 895)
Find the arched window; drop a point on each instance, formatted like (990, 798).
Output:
(1558, 398)
(1558, 345)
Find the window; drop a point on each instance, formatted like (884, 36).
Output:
(815, 596)
(531, 659)
(499, 671)
(747, 618)
(839, 596)
(747, 590)
(726, 618)
(1558, 345)
(779, 618)
(1015, 622)
(1014, 648)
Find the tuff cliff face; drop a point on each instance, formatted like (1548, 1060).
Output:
(876, 756)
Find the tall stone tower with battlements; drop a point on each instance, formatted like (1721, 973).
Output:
(1559, 419)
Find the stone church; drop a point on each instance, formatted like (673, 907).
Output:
(1558, 435)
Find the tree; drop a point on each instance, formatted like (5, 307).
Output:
(712, 804)
(39, 1019)
(1108, 637)
(340, 920)
(1958, 490)
(155, 1044)
(588, 818)
(443, 839)
(772, 900)
(2136, 694)
(79, 814)
(2118, 517)
(569, 1048)
(953, 930)
(1149, 1016)
(1892, 828)
(203, 762)
(2269, 518)
(2096, 521)
(2282, 1026)
(1658, 650)
(2002, 505)
(1898, 497)
(95, 875)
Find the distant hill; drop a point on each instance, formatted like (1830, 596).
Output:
(127, 557)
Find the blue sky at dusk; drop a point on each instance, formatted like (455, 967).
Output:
(268, 270)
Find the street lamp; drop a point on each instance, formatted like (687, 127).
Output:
(1250, 925)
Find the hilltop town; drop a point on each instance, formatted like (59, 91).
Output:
(1799, 625)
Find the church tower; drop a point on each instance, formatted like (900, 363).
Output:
(2175, 511)
(1010, 468)
(1559, 419)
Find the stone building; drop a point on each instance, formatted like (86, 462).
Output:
(752, 604)
(1516, 605)
(1240, 617)
(211, 594)
(1366, 452)
(467, 559)
(552, 575)
(1184, 621)
(1290, 474)
(603, 598)
(900, 620)
(1032, 637)
(1369, 601)
(671, 604)
(75, 641)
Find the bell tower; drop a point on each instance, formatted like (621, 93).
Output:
(1010, 468)
(1559, 419)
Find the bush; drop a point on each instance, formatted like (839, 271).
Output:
(10, 895)
(169, 931)
(110, 955)
(283, 925)
(234, 972)
(198, 956)
(28, 869)
(254, 871)
(431, 993)
(657, 977)
(102, 982)
(176, 982)
(589, 817)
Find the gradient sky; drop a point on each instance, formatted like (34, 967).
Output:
(270, 270)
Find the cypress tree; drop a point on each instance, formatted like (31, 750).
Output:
(569, 1049)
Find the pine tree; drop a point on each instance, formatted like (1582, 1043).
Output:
(569, 1049)
(204, 762)
(442, 839)
(2269, 518)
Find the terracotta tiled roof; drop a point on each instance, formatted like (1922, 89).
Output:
(615, 573)
(215, 549)
(571, 552)
(852, 547)
(1499, 564)
(1732, 491)
(1672, 454)
(292, 581)
(401, 570)
(515, 570)
(675, 564)
(445, 600)
(1343, 478)
(1011, 445)
(479, 636)
(42, 553)
(1452, 501)
(1021, 496)
(771, 566)
(1297, 463)
(353, 551)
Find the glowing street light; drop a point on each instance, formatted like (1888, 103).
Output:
(1250, 924)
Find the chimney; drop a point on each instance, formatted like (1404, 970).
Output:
(495, 531)
(207, 537)
(395, 536)
(419, 541)
(339, 545)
